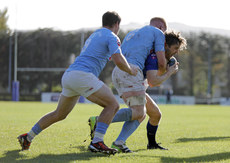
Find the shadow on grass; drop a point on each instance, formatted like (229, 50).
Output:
(205, 158)
(17, 156)
(202, 139)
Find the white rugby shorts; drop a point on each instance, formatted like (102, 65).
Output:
(123, 82)
(76, 83)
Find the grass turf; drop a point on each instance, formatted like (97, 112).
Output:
(199, 133)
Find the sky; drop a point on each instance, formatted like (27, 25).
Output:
(77, 14)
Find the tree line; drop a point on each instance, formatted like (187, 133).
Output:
(204, 65)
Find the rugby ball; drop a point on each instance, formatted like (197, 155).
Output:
(172, 61)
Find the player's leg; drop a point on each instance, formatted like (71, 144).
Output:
(124, 114)
(132, 90)
(136, 110)
(154, 114)
(65, 105)
(105, 98)
(136, 101)
(133, 116)
(137, 106)
(153, 111)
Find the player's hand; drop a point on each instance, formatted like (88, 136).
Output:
(133, 71)
(174, 68)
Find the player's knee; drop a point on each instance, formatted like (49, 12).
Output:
(58, 116)
(115, 106)
(61, 117)
(156, 115)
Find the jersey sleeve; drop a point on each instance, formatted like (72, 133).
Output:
(114, 45)
(159, 41)
(151, 62)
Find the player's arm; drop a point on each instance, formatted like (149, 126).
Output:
(122, 64)
(154, 79)
(159, 47)
(117, 56)
(162, 63)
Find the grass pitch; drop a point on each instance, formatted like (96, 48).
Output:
(199, 133)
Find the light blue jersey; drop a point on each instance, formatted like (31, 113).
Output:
(138, 44)
(96, 52)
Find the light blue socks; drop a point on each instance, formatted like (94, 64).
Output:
(100, 132)
(33, 132)
(128, 128)
(122, 115)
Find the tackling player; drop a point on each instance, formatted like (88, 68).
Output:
(136, 46)
(81, 78)
(174, 43)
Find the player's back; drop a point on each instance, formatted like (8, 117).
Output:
(140, 42)
(96, 52)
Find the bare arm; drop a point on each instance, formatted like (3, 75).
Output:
(154, 79)
(122, 64)
(162, 63)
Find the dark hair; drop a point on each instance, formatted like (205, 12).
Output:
(172, 38)
(110, 18)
